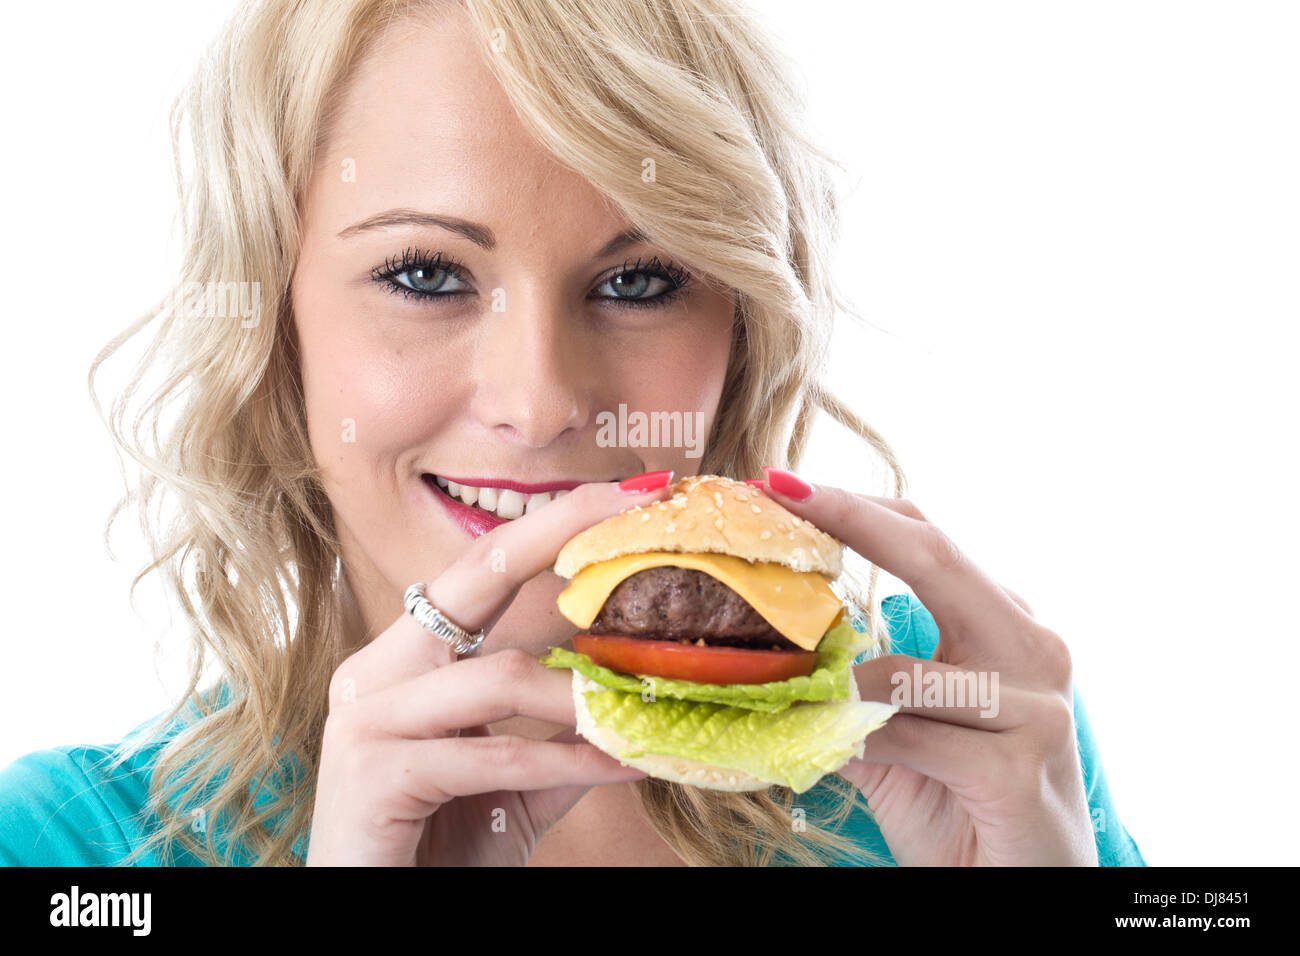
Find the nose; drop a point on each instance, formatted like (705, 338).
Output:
(532, 383)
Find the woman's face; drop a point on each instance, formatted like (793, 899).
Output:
(495, 362)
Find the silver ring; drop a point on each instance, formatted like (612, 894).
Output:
(418, 606)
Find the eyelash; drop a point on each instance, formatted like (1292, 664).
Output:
(411, 259)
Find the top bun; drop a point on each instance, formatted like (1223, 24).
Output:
(707, 514)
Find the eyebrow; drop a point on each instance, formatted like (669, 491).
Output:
(480, 235)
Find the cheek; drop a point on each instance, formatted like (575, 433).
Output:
(684, 367)
(679, 377)
(366, 402)
(681, 370)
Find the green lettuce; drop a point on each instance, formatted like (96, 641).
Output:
(828, 681)
(794, 748)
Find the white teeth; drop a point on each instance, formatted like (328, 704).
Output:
(504, 502)
(510, 504)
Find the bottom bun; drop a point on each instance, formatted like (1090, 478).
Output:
(676, 769)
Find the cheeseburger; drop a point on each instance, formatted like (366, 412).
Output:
(715, 652)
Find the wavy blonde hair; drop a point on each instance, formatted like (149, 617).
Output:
(690, 89)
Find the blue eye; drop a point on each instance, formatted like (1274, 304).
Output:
(422, 279)
(421, 275)
(634, 280)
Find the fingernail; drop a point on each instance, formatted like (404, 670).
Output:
(650, 481)
(787, 483)
(756, 482)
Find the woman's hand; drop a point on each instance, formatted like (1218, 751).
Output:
(410, 774)
(947, 785)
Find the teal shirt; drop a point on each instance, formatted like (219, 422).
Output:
(66, 807)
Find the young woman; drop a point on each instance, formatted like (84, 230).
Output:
(458, 233)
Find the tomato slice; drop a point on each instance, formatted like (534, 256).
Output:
(705, 665)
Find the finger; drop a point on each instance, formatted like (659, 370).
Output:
(473, 692)
(475, 590)
(905, 507)
(428, 773)
(969, 606)
(954, 755)
(902, 505)
(402, 651)
(1024, 605)
(545, 807)
(479, 585)
(944, 692)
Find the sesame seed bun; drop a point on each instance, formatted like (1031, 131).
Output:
(707, 514)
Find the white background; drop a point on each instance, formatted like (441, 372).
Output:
(1075, 231)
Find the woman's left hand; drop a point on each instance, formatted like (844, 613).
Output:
(961, 785)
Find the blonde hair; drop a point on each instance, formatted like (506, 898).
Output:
(690, 90)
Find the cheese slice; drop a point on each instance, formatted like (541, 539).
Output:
(799, 604)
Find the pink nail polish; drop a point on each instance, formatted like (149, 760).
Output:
(787, 483)
(650, 481)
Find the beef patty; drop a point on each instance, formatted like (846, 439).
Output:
(680, 604)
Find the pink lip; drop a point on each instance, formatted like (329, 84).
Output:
(473, 521)
(518, 486)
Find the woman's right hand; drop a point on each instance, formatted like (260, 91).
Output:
(410, 773)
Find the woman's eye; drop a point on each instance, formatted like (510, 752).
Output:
(433, 277)
(426, 280)
(635, 285)
(653, 285)
(422, 275)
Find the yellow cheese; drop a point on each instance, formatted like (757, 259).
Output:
(799, 604)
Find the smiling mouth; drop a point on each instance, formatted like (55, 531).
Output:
(502, 502)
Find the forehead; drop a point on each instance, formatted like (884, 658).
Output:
(428, 126)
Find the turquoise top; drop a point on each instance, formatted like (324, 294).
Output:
(66, 807)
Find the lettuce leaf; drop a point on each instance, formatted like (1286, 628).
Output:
(829, 679)
(794, 748)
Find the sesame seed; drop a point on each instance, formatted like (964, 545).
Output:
(742, 498)
(670, 527)
(717, 498)
(765, 535)
(646, 517)
(782, 526)
(718, 523)
(756, 509)
(790, 536)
